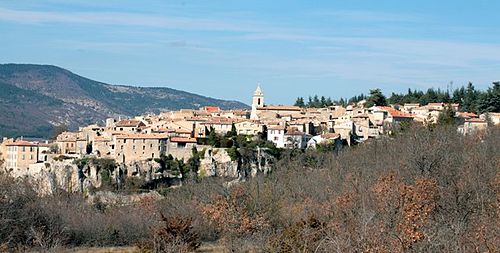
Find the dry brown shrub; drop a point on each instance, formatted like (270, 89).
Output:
(419, 201)
(302, 236)
(230, 215)
(173, 234)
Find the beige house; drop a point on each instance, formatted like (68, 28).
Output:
(66, 142)
(408, 107)
(128, 125)
(249, 127)
(103, 146)
(19, 154)
(473, 125)
(219, 124)
(136, 147)
(494, 117)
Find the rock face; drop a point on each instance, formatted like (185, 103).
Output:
(217, 162)
(84, 175)
(113, 199)
(49, 177)
(72, 176)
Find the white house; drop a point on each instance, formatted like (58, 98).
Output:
(276, 135)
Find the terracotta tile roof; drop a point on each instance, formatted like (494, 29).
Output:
(182, 131)
(466, 115)
(211, 108)
(183, 139)
(142, 136)
(280, 108)
(22, 143)
(196, 119)
(129, 123)
(276, 128)
(249, 121)
(101, 139)
(220, 120)
(395, 113)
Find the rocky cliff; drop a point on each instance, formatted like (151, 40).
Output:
(90, 175)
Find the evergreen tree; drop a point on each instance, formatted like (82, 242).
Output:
(376, 98)
(322, 102)
(342, 102)
(193, 163)
(233, 132)
(310, 102)
(329, 102)
(316, 102)
(447, 116)
(300, 102)
(213, 139)
(469, 101)
(490, 100)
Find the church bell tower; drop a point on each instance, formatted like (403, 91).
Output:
(257, 101)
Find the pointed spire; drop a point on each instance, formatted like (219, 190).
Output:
(258, 91)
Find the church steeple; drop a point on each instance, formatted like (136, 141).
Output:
(258, 91)
(257, 101)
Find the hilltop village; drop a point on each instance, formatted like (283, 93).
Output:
(176, 133)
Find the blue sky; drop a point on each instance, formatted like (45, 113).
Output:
(293, 48)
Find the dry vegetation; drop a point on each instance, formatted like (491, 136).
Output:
(418, 191)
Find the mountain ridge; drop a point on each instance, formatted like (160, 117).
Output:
(34, 99)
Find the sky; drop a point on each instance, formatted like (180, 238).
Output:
(292, 48)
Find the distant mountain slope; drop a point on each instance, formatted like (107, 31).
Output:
(35, 98)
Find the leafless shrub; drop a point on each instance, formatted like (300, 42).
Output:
(173, 234)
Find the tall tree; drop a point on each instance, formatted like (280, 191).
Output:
(490, 100)
(376, 97)
(469, 102)
(447, 116)
(300, 102)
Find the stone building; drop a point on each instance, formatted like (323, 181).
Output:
(136, 147)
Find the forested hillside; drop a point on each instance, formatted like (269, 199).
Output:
(34, 99)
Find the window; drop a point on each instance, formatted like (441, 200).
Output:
(31, 157)
(133, 147)
(276, 138)
(143, 147)
(121, 147)
(125, 141)
(24, 149)
(23, 157)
